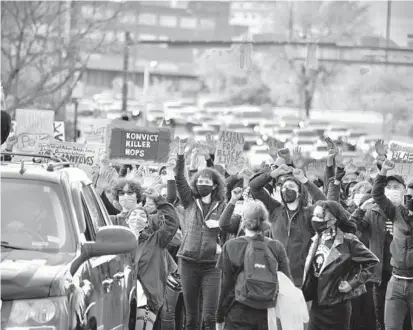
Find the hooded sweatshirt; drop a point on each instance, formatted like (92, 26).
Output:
(292, 228)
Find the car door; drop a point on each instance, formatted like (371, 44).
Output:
(115, 302)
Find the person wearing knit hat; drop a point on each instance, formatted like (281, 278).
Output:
(391, 195)
(336, 268)
(290, 218)
(231, 261)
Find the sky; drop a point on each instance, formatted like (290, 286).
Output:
(401, 19)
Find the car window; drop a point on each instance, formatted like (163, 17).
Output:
(34, 216)
(94, 208)
(90, 232)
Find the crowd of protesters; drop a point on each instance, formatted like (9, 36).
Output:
(345, 240)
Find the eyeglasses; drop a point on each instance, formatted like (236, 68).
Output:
(122, 193)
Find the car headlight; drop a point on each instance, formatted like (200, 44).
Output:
(48, 314)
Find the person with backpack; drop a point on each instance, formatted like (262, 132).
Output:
(249, 267)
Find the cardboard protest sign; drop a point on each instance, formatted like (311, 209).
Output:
(93, 130)
(82, 155)
(402, 156)
(34, 127)
(59, 131)
(230, 150)
(128, 144)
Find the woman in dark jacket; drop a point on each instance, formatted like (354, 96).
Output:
(336, 269)
(203, 202)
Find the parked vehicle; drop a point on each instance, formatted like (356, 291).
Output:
(64, 264)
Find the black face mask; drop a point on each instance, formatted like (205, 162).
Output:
(319, 227)
(204, 190)
(289, 195)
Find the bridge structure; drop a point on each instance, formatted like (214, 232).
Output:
(400, 58)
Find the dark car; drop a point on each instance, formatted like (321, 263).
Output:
(63, 262)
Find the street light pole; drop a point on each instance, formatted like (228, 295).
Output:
(125, 73)
(146, 82)
(388, 21)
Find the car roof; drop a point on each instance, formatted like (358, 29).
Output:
(40, 172)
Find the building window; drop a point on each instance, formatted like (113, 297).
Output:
(188, 23)
(147, 19)
(169, 21)
(207, 24)
(147, 36)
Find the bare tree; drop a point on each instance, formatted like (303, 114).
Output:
(318, 21)
(46, 46)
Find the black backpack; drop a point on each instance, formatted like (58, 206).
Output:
(257, 283)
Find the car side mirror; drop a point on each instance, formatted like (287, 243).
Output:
(109, 240)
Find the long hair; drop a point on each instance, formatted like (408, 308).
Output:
(219, 193)
(340, 213)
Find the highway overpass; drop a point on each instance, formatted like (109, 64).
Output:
(326, 52)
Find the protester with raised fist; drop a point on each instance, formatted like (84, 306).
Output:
(291, 218)
(389, 194)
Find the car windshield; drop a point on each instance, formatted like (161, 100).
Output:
(34, 217)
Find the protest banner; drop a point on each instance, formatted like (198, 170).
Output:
(127, 143)
(34, 127)
(230, 150)
(59, 131)
(402, 156)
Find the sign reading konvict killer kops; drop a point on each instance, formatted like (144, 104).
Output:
(127, 143)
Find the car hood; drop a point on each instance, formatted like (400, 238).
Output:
(30, 274)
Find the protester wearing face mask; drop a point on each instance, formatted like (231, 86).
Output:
(152, 260)
(358, 192)
(204, 202)
(336, 269)
(290, 219)
(389, 193)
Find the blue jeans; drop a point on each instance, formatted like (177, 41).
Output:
(200, 279)
(399, 302)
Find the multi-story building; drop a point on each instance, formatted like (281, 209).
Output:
(253, 14)
(147, 20)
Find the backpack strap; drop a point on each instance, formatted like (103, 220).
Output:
(268, 253)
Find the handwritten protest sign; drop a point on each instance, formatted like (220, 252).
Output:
(94, 130)
(402, 156)
(128, 144)
(84, 156)
(59, 131)
(34, 127)
(230, 149)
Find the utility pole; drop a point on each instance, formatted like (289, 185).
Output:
(388, 23)
(291, 22)
(125, 73)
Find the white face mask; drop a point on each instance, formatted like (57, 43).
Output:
(395, 196)
(128, 202)
(357, 198)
